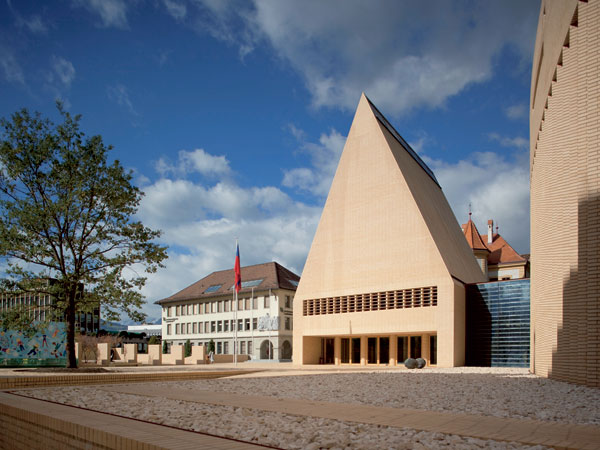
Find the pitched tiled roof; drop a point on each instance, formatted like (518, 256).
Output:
(500, 251)
(272, 274)
(473, 237)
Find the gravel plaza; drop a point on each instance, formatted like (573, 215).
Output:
(284, 406)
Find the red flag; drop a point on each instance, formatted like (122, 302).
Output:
(238, 272)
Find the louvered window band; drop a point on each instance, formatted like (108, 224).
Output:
(375, 301)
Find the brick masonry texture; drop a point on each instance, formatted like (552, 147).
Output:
(106, 378)
(565, 192)
(29, 424)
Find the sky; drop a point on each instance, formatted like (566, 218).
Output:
(232, 115)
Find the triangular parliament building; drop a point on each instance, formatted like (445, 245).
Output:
(385, 276)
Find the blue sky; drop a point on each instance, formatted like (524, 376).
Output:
(233, 114)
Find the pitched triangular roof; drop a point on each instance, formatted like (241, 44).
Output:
(502, 252)
(474, 239)
(386, 223)
(271, 276)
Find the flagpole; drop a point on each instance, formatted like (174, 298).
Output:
(235, 341)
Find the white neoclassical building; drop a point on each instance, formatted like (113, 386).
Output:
(260, 322)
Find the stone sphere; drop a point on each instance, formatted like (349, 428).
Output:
(410, 363)
(421, 363)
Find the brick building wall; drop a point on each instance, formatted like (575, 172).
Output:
(565, 192)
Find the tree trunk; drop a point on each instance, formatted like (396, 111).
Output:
(71, 356)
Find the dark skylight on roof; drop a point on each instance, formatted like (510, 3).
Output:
(402, 142)
(251, 283)
(213, 288)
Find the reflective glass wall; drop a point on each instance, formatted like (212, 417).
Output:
(498, 324)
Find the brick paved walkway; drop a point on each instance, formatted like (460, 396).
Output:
(526, 431)
(28, 423)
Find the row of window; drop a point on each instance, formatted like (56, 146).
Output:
(376, 301)
(219, 306)
(222, 348)
(8, 301)
(219, 326)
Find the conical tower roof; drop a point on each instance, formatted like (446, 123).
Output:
(386, 223)
(473, 237)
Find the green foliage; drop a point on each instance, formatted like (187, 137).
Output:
(211, 346)
(66, 215)
(165, 348)
(187, 349)
(19, 318)
(153, 340)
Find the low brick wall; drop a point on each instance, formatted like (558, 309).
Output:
(110, 378)
(27, 423)
(25, 429)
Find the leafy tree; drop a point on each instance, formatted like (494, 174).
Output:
(18, 317)
(153, 340)
(165, 348)
(211, 346)
(187, 349)
(66, 218)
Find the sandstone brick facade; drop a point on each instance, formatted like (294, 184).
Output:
(565, 192)
(388, 264)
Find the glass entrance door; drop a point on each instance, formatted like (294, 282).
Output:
(345, 356)
(355, 350)
(384, 350)
(415, 347)
(328, 351)
(372, 350)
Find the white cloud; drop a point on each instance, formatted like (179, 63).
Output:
(205, 163)
(10, 66)
(517, 142)
(497, 188)
(516, 112)
(200, 222)
(176, 9)
(163, 57)
(120, 95)
(402, 55)
(63, 70)
(112, 12)
(195, 161)
(34, 24)
(324, 158)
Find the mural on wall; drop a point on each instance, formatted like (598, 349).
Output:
(47, 347)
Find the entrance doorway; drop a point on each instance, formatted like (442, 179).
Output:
(384, 350)
(402, 349)
(415, 347)
(286, 350)
(327, 346)
(372, 350)
(355, 350)
(266, 350)
(345, 356)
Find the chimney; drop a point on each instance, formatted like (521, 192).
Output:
(490, 231)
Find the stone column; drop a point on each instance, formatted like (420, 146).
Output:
(393, 350)
(363, 351)
(337, 351)
(425, 347)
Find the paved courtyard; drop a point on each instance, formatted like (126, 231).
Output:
(287, 407)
